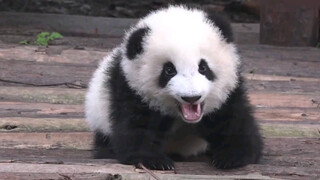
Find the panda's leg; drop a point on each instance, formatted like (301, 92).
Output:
(233, 136)
(139, 139)
(102, 146)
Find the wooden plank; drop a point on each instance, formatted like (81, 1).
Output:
(289, 100)
(58, 54)
(76, 96)
(89, 55)
(17, 124)
(277, 150)
(292, 86)
(83, 140)
(306, 121)
(32, 155)
(42, 95)
(265, 52)
(281, 67)
(23, 124)
(145, 176)
(184, 170)
(289, 115)
(290, 130)
(45, 74)
(275, 78)
(62, 111)
(66, 24)
(77, 42)
(282, 157)
(56, 176)
(71, 172)
(66, 140)
(40, 110)
(59, 65)
(33, 23)
(55, 74)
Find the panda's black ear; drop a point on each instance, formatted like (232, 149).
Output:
(135, 42)
(223, 23)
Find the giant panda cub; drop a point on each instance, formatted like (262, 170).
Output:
(173, 89)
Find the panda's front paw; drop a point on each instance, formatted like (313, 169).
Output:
(229, 160)
(154, 161)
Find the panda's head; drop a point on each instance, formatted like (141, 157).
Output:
(181, 62)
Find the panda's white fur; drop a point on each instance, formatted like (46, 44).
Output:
(97, 103)
(182, 36)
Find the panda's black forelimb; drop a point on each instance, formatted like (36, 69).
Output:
(137, 131)
(233, 136)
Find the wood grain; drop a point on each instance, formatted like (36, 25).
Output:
(24, 124)
(47, 140)
(40, 110)
(42, 95)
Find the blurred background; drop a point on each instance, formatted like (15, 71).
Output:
(237, 10)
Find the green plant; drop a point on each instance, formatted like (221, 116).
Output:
(24, 42)
(44, 38)
(318, 45)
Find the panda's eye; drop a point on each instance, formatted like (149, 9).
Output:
(202, 68)
(170, 71)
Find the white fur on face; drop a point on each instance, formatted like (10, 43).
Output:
(183, 37)
(188, 83)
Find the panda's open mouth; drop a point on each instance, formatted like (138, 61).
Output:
(191, 113)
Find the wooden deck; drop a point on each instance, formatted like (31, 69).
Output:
(43, 134)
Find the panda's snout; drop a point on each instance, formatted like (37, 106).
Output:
(190, 99)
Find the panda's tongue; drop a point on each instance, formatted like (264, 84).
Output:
(191, 112)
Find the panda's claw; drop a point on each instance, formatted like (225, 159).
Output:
(153, 161)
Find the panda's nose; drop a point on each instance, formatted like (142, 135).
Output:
(190, 99)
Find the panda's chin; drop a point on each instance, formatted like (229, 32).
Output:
(191, 113)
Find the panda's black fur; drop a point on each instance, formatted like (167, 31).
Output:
(140, 133)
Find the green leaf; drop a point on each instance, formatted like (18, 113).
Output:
(54, 36)
(24, 42)
(44, 38)
(43, 35)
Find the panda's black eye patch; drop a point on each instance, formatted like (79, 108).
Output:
(168, 71)
(135, 46)
(205, 70)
